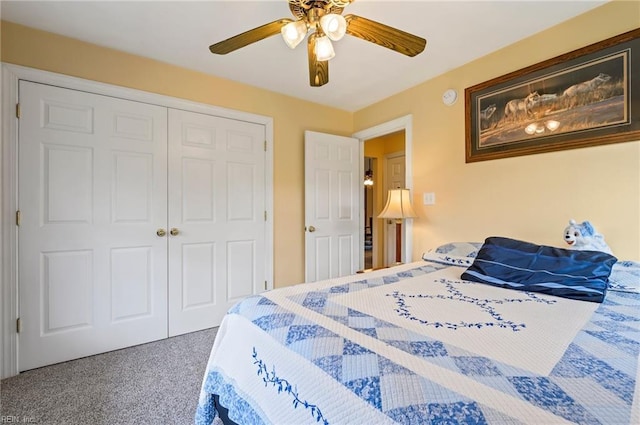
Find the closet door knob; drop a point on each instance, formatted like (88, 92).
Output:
(312, 229)
(174, 231)
(161, 232)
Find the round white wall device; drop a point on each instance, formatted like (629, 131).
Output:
(449, 97)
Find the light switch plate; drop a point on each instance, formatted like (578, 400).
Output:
(429, 198)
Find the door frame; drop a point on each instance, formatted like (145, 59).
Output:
(11, 75)
(402, 123)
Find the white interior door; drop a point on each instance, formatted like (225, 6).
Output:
(217, 214)
(333, 192)
(394, 179)
(92, 193)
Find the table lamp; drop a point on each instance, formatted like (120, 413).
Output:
(398, 207)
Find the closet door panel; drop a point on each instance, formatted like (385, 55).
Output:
(92, 193)
(216, 205)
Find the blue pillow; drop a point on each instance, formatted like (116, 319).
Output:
(575, 274)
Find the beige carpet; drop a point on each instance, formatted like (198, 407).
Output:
(156, 383)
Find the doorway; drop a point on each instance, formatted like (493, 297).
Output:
(382, 171)
(369, 213)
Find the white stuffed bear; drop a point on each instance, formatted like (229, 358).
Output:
(584, 237)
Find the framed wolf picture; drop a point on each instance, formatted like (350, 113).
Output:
(583, 98)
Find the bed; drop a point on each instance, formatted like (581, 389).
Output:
(420, 344)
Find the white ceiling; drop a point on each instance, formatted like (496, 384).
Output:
(362, 73)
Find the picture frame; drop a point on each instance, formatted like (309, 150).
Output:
(583, 98)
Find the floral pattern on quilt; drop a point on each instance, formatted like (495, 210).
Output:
(488, 306)
(282, 385)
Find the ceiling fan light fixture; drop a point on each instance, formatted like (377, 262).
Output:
(307, 15)
(294, 32)
(334, 26)
(324, 49)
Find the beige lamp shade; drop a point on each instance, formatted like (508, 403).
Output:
(398, 205)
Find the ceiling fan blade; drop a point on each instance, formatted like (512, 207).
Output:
(384, 35)
(318, 70)
(248, 37)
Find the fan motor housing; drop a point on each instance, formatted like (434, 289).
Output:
(310, 10)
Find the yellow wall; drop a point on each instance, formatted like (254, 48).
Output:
(291, 117)
(529, 197)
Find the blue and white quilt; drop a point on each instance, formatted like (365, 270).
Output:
(415, 344)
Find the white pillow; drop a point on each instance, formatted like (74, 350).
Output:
(460, 249)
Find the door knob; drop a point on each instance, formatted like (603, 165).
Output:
(161, 232)
(174, 231)
(312, 229)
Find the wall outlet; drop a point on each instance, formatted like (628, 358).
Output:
(429, 198)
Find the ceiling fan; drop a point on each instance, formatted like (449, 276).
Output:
(324, 22)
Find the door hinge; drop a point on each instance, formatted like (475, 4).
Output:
(18, 325)
(18, 110)
(265, 285)
(265, 216)
(18, 218)
(265, 145)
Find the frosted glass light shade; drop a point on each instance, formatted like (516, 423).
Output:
(324, 49)
(294, 32)
(398, 205)
(334, 26)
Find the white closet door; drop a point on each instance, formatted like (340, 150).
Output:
(216, 208)
(92, 193)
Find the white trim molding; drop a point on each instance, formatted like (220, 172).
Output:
(8, 229)
(11, 75)
(403, 123)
